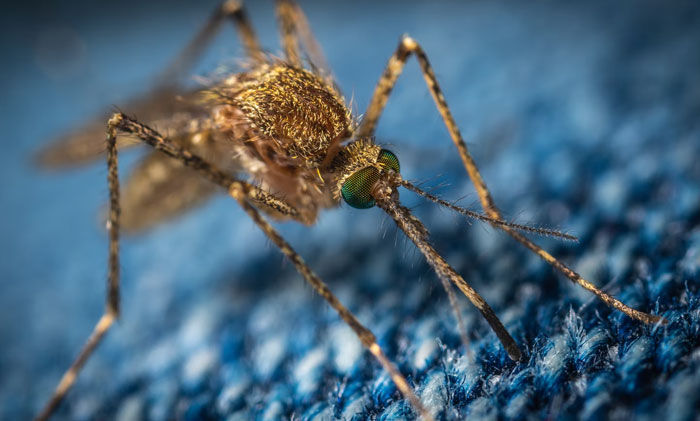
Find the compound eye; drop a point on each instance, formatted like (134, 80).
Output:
(388, 160)
(356, 188)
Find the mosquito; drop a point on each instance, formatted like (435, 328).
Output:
(285, 123)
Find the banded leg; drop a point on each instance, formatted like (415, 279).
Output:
(243, 193)
(294, 27)
(408, 46)
(112, 306)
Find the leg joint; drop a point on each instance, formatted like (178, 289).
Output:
(114, 122)
(236, 191)
(409, 43)
(230, 7)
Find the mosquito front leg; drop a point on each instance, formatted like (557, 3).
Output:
(417, 233)
(409, 46)
(364, 334)
(243, 193)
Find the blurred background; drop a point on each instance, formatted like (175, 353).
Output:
(582, 115)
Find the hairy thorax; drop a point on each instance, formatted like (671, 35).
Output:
(285, 125)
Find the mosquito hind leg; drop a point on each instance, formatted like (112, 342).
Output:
(294, 28)
(183, 62)
(407, 47)
(236, 11)
(87, 142)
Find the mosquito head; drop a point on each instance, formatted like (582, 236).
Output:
(358, 168)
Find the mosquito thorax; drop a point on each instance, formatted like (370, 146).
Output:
(357, 169)
(292, 109)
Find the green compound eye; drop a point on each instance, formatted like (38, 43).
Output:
(356, 189)
(388, 160)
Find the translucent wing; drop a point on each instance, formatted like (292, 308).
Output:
(159, 189)
(87, 143)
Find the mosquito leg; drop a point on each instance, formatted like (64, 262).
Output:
(408, 46)
(263, 198)
(243, 193)
(294, 27)
(418, 234)
(69, 377)
(290, 43)
(365, 335)
(87, 142)
(232, 9)
(458, 316)
(236, 11)
(112, 308)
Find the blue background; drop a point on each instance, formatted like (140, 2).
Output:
(582, 116)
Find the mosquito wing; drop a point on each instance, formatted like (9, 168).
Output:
(159, 189)
(87, 143)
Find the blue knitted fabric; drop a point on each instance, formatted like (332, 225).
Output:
(582, 117)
